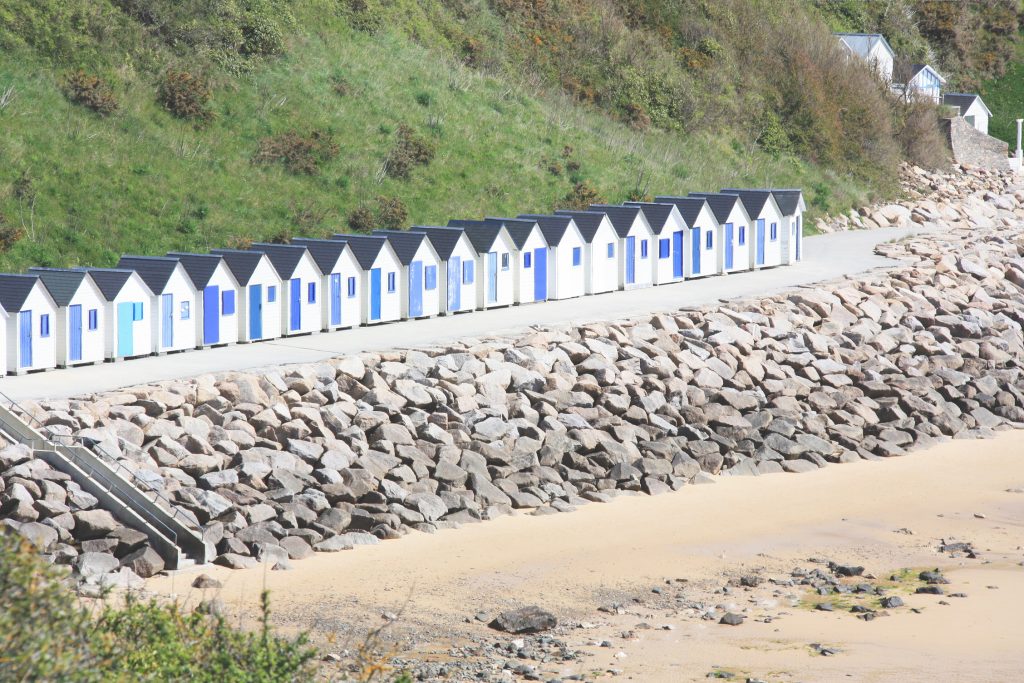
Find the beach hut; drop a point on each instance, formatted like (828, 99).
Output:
(173, 303)
(31, 339)
(736, 253)
(342, 282)
(217, 293)
(792, 207)
(530, 263)
(600, 256)
(702, 245)
(636, 266)
(669, 230)
(494, 254)
(259, 287)
(971, 107)
(418, 286)
(567, 275)
(80, 317)
(128, 312)
(766, 217)
(458, 267)
(301, 284)
(381, 271)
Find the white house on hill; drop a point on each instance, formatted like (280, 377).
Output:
(873, 48)
(924, 82)
(971, 107)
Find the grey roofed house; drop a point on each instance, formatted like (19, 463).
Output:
(325, 252)
(861, 44)
(403, 242)
(622, 217)
(519, 229)
(656, 213)
(444, 240)
(109, 280)
(481, 234)
(721, 204)
(285, 257)
(587, 221)
(61, 283)
(552, 226)
(241, 263)
(964, 101)
(200, 267)
(155, 271)
(364, 247)
(788, 200)
(753, 199)
(689, 207)
(14, 289)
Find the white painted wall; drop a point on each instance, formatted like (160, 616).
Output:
(505, 252)
(390, 301)
(602, 269)
(882, 61)
(523, 277)
(565, 280)
(310, 309)
(90, 298)
(644, 271)
(183, 313)
(44, 349)
(663, 270)
(5, 321)
(978, 116)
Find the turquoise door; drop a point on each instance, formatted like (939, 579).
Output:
(125, 335)
(25, 339)
(255, 312)
(75, 332)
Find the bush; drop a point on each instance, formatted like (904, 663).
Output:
(392, 212)
(300, 154)
(424, 99)
(92, 92)
(919, 134)
(582, 195)
(772, 138)
(186, 95)
(361, 219)
(341, 86)
(9, 234)
(637, 117)
(410, 150)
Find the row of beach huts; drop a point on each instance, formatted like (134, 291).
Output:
(60, 317)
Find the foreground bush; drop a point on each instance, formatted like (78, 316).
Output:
(47, 635)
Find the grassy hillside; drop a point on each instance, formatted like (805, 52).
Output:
(511, 105)
(1005, 97)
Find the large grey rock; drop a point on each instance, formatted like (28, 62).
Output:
(530, 619)
(94, 524)
(145, 562)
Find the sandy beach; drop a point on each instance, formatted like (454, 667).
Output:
(886, 516)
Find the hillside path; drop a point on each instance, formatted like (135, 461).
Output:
(826, 257)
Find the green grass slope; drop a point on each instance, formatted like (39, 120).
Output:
(1005, 97)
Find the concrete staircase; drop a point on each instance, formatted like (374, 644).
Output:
(177, 539)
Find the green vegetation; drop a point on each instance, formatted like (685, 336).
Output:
(1005, 97)
(46, 634)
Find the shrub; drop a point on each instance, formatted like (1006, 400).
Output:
(637, 116)
(239, 242)
(92, 92)
(410, 150)
(364, 15)
(424, 99)
(9, 234)
(555, 168)
(919, 134)
(582, 195)
(392, 212)
(186, 95)
(772, 138)
(361, 219)
(300, 153)
(341, 86)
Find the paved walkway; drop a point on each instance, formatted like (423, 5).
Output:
(827, 257)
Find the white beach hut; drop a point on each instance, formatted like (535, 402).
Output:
(301, 285)
(381, 272)
(531, 262)
(769, 231)
(736, 253)
(31, 339)
(669, 230)
(792, 207)
(971, 107)
(703, 243)
(173, 303)
(128, 312)
(495, 252)
(81, 313)
(567, 275)
(421, 265)
(217, 294)
(342, 283)
(457, 279)
(259, 306)
(636, 262)
(600, 254)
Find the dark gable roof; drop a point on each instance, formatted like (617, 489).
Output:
(553, 227)
(656, 213)
(14, 289)
(587, 221)
(200, 267)
(788, 200)
(155, 271)
(689, 207)
(721, 204)
(404, 243)
(753, 199)
(964, 100)
(61, 283)
(444, 240)
(622, 217)
(325, 252)
(364, 247)
(285, 257)
(480, 233)
(241, 263)
(109, 280)
(519, 229)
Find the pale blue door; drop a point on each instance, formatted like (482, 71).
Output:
(454, 283)
(255, 312)
(375, 294)
(677, 254)
(760, 241)
(75, 332)
(25, 338)
(167, 320)
(492, 277)
(728, 246)
(415, 289)
(295, 292)
(799, 235)
(335, 298)
(540, 274)
(696, 251)
(630, 260)
(211, 314)
(125, 336)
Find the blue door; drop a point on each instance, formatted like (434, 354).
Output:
(75, 332)
(630, 260)
(25, 337)
(295, 291)
(760, 241)
(255, 312)
(125, 336)
(540, 274)
(375, 294)
(677, 254)
(454, 283)
(492, 277)
(696, 251)
(335, 298)
(728, 246)
(416, 289)
(211, 314)
(167, 320)
(799, 235)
